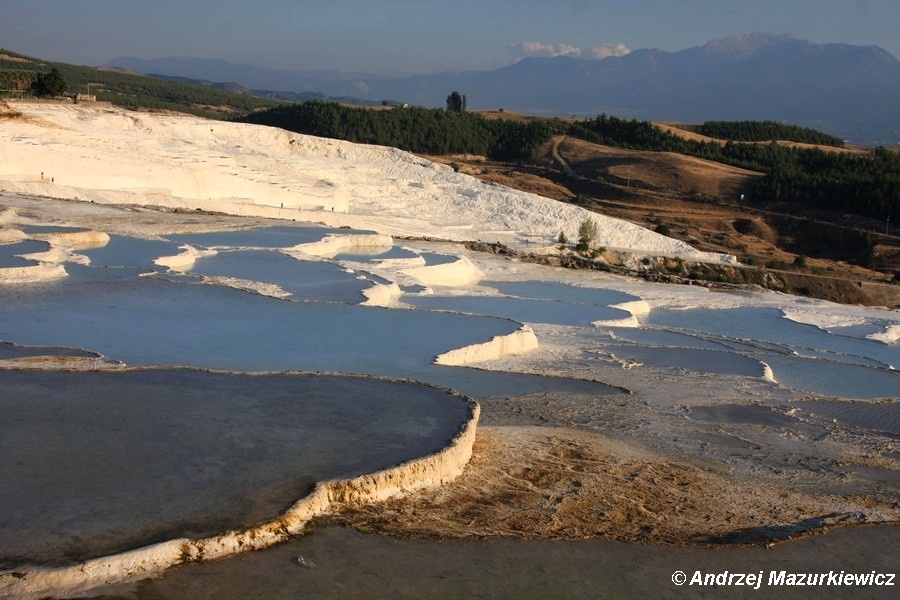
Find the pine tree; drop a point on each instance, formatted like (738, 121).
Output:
(587, 234)
(455, 102)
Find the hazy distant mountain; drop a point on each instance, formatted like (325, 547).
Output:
(249, 76)
(237, 88)
(849, 91)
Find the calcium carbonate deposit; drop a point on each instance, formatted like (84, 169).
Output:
(279, 320)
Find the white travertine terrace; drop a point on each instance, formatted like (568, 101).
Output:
(185, 259)
(11, 236)
(49, 267)
(73, 240)
(634, 307)
(518, 342)
(382, 294)
(332, 244)
(460, 272)
(247, 285)
(32, 273)
(109, 155)
(73, 581)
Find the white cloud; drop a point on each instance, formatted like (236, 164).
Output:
(607, 50)
(541, 49)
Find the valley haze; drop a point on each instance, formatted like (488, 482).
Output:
(849, 91)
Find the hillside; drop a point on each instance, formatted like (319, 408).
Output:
(94, 153)
(691, 199)
(698, 201)
(129, 89)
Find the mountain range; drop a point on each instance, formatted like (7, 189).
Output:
(846, 90)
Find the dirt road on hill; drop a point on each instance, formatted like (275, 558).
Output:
(700, 202)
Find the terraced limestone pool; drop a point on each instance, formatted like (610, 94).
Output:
(256, 435)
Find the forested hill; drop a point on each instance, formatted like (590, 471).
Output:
(764, 131)
(421, 130)
(19, 72)
(862, 184)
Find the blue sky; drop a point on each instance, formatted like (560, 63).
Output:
(402, 37)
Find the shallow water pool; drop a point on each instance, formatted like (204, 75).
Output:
(304, 280)
(9, 253)
(109, 461)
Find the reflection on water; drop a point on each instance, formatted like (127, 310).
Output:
(769, 325)
(105, 462)
(433, 258)
(9, 253)
(882, 418)
(130, 252)
(698, 360)
(282, 236)
(175, 320)
(12, 351)
(523, 310)
(305, 280)
(375, 254)
(562, 292)
(835, 377)
(147, 321)
(801, 356)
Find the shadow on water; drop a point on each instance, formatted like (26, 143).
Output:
(342, 563)
(770, 533)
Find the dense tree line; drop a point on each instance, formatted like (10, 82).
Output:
(421, 130)
(765, 131)
(130, 91)
(626, 133)
(16, 79)
(867, 184)
(643, 135)
(861, 184)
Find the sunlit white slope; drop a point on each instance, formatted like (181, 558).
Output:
(106, 154)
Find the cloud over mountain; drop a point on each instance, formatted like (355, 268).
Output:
(849, 91)
(523, 49)
(526, 49)
(607, 50)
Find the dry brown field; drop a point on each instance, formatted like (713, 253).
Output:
(710, 206)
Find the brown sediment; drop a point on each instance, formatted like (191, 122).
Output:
(561, 483)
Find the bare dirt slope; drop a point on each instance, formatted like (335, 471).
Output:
(700, 202)
(661, 172)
